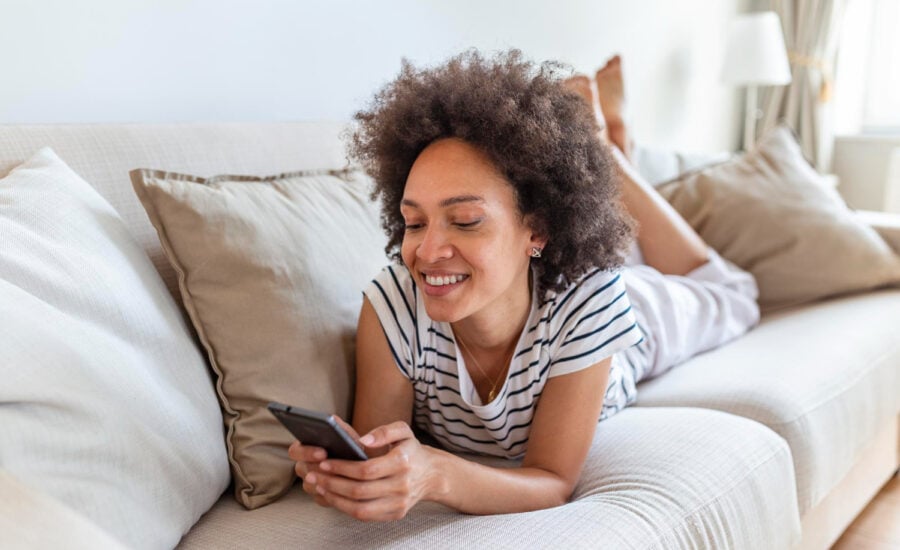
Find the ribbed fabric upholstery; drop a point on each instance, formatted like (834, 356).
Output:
(825, 377)
(655, 478)
(103, 154)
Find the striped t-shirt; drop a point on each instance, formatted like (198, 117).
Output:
(565, 332)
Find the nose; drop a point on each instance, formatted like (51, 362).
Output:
(435, 245)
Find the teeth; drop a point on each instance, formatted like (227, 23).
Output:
(441, 281)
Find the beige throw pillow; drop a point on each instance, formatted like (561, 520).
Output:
(769, 212)
(271, 271)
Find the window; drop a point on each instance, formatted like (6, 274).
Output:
(867, 93)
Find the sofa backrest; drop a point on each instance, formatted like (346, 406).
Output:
(103, 154)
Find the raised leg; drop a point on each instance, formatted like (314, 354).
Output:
(667, 242)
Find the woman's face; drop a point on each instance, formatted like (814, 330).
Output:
(466, 243)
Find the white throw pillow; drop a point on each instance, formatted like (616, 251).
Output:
(105, 401)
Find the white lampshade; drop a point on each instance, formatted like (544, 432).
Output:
(756, 54)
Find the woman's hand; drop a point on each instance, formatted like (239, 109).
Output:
(382, 488)
(308, 459)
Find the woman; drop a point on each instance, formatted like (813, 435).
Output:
(509, 316)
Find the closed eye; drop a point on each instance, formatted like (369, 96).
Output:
(467, 225)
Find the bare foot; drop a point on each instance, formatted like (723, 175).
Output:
(611, 94)
(581, 85)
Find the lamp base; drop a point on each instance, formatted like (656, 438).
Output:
(750, 118)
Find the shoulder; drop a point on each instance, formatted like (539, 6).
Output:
(596, 287)
(392, 282)
(589, 321)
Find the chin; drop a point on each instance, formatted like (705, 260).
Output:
(441, 313)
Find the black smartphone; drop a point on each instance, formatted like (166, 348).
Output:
(318, 430)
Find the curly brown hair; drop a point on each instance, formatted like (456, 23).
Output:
(540, 135)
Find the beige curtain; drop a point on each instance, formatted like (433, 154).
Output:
(811, 31)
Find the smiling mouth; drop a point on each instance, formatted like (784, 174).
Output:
(444, 280)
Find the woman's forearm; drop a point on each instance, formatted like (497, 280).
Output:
(474, 488)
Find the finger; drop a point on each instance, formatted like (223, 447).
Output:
(348, 427)
(302, 469)
(310, 488)
(358, 490)
(394, 463)
(306, 453)
(383, 509)
(387, 434)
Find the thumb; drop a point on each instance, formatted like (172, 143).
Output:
(387, 434)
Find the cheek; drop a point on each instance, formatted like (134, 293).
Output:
(407, 251)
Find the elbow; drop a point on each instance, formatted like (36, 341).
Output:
(560, 490)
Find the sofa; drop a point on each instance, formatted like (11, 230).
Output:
(775, 440)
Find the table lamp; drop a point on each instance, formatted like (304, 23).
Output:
(755, 56)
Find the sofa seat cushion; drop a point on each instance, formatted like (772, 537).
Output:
(825, 377)
(654, 478)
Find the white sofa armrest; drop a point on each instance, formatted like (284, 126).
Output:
(886, 224)
(31, 519)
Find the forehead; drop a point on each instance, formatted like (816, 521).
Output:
(452, 167)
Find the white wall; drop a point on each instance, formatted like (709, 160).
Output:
(230, 60)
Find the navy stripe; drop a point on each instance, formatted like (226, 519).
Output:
(408, 308)
(397, 357)
(571, 291)
(435, 398)
(479, 426)
(596, 312)
(440, 353)
(574, 311)
(589, 297)
(502, 444)
(393, 311)
(541, 320)
(524, 369)
(444, 372)
(590, 351)
(598, 329)
(441, 335)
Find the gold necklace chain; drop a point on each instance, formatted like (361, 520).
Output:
(493, 392)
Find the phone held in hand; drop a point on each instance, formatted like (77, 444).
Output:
(318, 430)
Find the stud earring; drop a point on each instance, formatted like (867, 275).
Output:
(535, 252)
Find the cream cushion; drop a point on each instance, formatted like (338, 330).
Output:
(270, 271)
(105, 402)
(769, 212)
(654, 478)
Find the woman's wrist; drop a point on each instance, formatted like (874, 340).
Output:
(438, 486)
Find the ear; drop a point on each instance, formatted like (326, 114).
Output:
(538, 241)
(539, 236)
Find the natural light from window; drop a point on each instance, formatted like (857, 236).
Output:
(867, 92)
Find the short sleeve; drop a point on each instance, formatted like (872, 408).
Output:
(392, 295)
(592, 320)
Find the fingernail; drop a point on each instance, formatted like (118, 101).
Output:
(325, 466)
(320, 489)
(367, 439)
(310, 478)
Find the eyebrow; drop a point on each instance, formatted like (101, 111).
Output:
(446, 202)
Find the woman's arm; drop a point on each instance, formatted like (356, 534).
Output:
(387, 487)
(383, 393)
(561, 435)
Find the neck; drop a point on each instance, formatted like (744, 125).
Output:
(495, 330)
